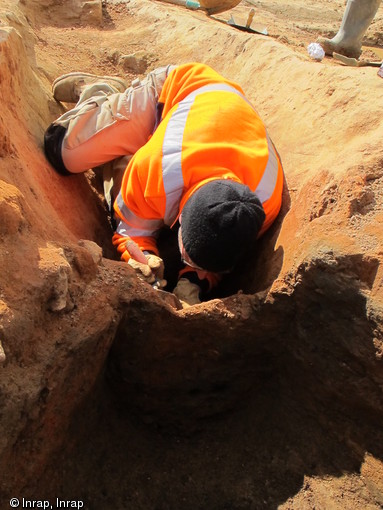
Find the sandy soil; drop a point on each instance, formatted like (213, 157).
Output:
(326, 120)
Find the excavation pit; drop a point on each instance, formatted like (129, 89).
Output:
(268, 395)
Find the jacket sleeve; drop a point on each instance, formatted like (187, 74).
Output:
(145, 243)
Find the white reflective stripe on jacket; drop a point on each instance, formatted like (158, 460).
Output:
(134, 226)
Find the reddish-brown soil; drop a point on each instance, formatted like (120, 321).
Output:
(269, 396)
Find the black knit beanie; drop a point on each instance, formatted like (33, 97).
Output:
(220, 223)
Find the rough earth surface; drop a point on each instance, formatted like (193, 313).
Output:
(268, 396)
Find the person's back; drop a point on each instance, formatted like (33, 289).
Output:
(208, 131)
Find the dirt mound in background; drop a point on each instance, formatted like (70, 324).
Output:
(269, 397)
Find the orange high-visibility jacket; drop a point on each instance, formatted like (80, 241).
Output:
(208, 131)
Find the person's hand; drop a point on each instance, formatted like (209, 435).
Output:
(152, 272)
(187, 292)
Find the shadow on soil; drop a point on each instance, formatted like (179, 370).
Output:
(253, 458)
(313, 409)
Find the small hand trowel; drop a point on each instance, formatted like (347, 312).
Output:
(247, 26)
(353, 62)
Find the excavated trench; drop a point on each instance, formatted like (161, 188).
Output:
(269, 395)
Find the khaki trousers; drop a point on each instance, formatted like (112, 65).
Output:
(107, 127)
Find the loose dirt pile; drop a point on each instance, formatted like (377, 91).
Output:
(268, 396)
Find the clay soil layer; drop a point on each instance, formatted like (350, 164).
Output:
(270, 394)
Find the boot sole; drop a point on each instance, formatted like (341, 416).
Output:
(89, 75)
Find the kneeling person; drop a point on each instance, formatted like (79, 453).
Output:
(198, 152)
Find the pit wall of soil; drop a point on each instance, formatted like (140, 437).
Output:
(78, 329)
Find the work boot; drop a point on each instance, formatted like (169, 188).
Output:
(68, 87)
(356, 20)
